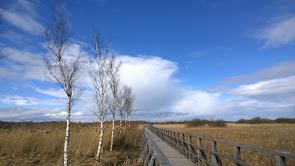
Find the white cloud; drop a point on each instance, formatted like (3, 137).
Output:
(31, 101)
(22, 14)
(22, 64)
(152, 81)
(20, 113)
(158, 97)
(278, 33)
(281, 70)
(270, 89)
(198, 103)
(52, 92)
(41, 114)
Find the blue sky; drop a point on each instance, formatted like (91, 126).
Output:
(184, 59)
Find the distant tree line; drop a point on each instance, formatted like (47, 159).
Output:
(221, 123)
(204, 122)
(258, 120)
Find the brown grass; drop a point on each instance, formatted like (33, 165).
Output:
(270, 136)
(42, 144)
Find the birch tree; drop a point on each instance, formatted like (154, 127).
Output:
(129, 107)
(64, 69)
(113, 73)
(99, 77)
(121, 108)
(128, 104)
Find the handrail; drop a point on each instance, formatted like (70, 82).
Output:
(188, 148)
(150, 153)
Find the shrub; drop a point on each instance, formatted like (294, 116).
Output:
(217, 123)
(197, 123)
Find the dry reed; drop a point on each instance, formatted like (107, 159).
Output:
(28, 143)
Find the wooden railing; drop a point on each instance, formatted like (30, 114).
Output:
(186, 147)
(151, 155)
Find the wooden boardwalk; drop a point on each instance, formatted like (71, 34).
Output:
(173, 156)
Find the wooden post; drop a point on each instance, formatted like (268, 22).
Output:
(183, 148)
(178, 142)
(174, 138)
(214, 149)
(189, 147)
(280, 160)
(199, 152)
(171, 138)
(237, 154)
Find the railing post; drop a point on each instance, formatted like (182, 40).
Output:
(183, 148)
(171, 139)
(280, 161)
(237, 154)
(189, 147)
(178, 142)
(214, 149)
(174, 138)
(199, 152)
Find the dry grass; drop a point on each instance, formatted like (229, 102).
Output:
(42, 144)
(270, 136)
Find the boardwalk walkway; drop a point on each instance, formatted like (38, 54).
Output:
(173, 156)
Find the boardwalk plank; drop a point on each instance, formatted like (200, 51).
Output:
(174, 157)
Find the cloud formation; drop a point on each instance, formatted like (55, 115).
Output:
(22, 64)
(40, 114)
(22, 15)
(31, 101)
(152, 81)
(52, 92)
(283, 88)
(281, 70)
(278, 33)
(158, 95)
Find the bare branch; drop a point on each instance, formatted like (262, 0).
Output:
(65, 69)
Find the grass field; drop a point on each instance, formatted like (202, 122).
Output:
(270, 136)
(42, 144)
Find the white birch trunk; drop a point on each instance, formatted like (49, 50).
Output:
(67, 139)
(98, 155)
(101, 130)
(129, 120)
(120, 136)
(112, 138)
(125, 124)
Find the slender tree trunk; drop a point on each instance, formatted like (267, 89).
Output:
(67, 139)
(101, 131)
(120, 136)
(129, 120)
(125, 124)
(98, 155)
(112, 138)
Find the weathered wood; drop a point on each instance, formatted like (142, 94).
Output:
(183, 142)
(214, 149)
(237, 154)
(170, 155)
(190, 148)
(280, 161)
(215, 159)
(182, 145)
(199, 152)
